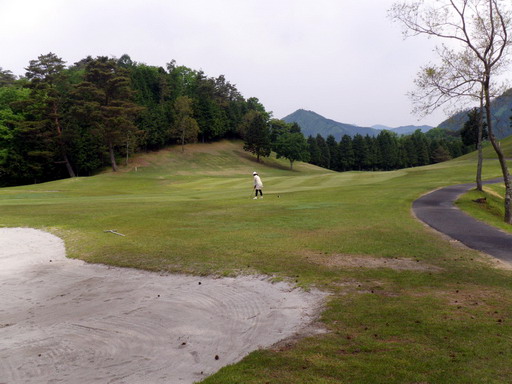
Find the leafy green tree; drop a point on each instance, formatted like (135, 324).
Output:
(257, 135)
(208, 112)
(277, 128)
(9, 118)
(125, 61)
(151, 86)
(186, 128)
(292, 146)
(295, 128)
(456, 148)
(440, 154)
(253, 104)
(34, 142)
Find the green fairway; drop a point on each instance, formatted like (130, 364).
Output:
(406, 305)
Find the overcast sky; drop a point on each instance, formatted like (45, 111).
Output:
(343, 59)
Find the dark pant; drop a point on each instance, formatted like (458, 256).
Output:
(258, 190)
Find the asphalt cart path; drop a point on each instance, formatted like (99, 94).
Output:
(437, 209)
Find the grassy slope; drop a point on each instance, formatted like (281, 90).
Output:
(449, 322)
(493, 210)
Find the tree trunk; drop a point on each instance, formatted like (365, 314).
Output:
(479, 185)
(112, 157)
(68, 166)
(291, 164)
(501, 157)
(61, 144)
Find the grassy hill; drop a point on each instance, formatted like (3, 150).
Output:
(406, 305)
(490, 153)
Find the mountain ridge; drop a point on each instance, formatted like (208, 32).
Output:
(312, 124)
(501, 111)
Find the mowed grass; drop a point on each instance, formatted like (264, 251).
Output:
(406, 305)
(492, 211)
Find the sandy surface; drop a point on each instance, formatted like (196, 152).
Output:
(65, 321)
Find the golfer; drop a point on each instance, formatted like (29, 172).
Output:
(258, 185)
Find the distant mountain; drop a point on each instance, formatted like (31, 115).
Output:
(404, 129)
(501, 110)
(312, 124)
(380, 127)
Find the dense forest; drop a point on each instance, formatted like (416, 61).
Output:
(59, 121)
(62, 121)
(386, 151)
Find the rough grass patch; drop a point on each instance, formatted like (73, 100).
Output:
(365, 261)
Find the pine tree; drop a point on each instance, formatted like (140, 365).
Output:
(332, 146)
(105, 99)
(46, 104)
(361, 155)
(325, 156)
(315, 155)
(346, 153)
(469, 132)
(257, 135)
(421, 147)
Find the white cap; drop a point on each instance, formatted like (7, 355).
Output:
(254, 173)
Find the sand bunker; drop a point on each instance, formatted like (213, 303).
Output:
(66, 321)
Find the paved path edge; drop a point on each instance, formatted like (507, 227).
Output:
(437, 210)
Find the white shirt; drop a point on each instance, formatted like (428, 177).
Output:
(257, 182)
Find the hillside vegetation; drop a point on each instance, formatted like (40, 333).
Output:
(406, 305)
(501, 110)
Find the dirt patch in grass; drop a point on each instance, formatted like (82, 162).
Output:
(348, 261)
(351, 286)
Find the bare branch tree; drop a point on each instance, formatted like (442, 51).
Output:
(480, 30)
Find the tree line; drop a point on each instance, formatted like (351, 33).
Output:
(62, 121)
(386, 151)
